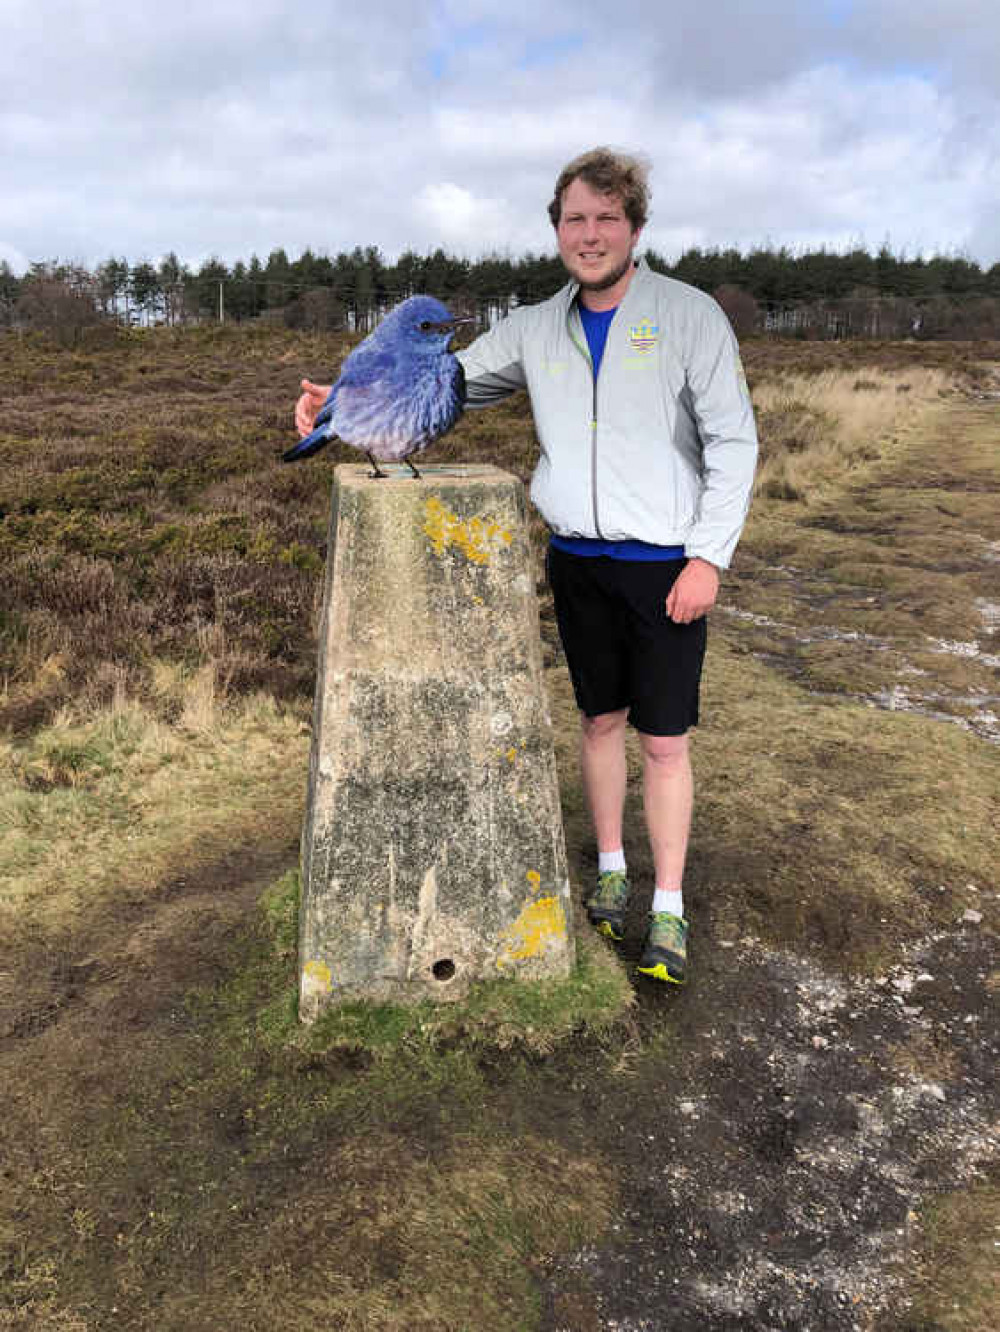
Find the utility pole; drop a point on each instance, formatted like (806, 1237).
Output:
(222, 310)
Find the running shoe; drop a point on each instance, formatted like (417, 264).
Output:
(664, 954)
(606, 904)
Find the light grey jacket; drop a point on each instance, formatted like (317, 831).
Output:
(663, 447)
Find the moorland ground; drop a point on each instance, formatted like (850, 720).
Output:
(804, 1137)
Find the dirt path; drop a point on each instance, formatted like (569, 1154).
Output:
(773, 1143)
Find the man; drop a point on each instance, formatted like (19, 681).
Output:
(648, 450)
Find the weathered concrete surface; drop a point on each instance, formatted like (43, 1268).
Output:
(432, 852)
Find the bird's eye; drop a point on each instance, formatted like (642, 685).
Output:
(425, 325)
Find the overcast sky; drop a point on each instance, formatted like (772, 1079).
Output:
(133, 128)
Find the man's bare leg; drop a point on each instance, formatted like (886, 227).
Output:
(668, 796)
(605, 772)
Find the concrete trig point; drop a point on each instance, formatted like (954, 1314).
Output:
(433, 851)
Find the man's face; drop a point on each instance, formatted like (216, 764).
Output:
(595, 237)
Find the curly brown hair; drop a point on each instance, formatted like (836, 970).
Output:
(608, 172)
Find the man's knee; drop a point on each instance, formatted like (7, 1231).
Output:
(667, 753)
(604, 725)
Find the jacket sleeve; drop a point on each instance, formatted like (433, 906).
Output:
(720, 400)
(492, 364)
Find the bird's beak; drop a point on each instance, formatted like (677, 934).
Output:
(447, 324)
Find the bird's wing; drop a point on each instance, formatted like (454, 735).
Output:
(365, 366)
(360, 407)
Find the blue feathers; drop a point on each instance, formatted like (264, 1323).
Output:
(398, 391)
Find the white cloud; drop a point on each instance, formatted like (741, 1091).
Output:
(453, 212)
(10, 254)
(233, 129)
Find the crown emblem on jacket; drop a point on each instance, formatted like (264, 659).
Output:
(643, 336)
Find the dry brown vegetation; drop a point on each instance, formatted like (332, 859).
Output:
(173, 1154)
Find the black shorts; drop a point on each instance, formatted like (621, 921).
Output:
(622, 649)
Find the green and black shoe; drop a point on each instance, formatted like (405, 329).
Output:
(606, 904)
(664, 954)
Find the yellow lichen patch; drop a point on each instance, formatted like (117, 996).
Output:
(475, 538)
(529, 936)
(511, 754)
(317, 978)
(534, 878)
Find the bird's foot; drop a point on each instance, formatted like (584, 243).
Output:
(416, 474)
(376, 473)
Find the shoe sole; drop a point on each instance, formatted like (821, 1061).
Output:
(608, 930)
(660, 972)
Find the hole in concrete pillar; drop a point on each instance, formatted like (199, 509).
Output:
(444, 969)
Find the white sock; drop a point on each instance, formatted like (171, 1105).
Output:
(666, 900)
(611, 860)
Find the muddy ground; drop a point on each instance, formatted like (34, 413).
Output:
(754, 1152)
(772, 1160)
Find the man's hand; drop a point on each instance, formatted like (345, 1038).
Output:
(312, 399)
(694, 592)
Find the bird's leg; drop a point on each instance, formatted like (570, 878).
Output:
(416, 474)
(376, 471)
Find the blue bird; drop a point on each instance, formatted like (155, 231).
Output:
(398, 391)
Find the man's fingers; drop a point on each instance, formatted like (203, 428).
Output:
(305, 413)
(693, 594)
(306, 408)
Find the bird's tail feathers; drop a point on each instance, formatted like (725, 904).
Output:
(305, 448)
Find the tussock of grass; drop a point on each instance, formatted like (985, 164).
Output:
(815, 429)
(957, 1287)
(110, 804)
(534, 1015)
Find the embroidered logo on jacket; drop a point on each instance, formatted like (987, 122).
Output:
(644, 335)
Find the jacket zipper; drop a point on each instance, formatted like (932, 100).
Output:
(593, 430)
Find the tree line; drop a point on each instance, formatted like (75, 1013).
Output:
(814, 293)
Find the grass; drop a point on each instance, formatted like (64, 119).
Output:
(787, 853)
(957, 1288)
(816, 429)
(96, 807)
(362, 1170)
(177, 1151)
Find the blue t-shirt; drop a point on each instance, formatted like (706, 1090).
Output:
(595, 325)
